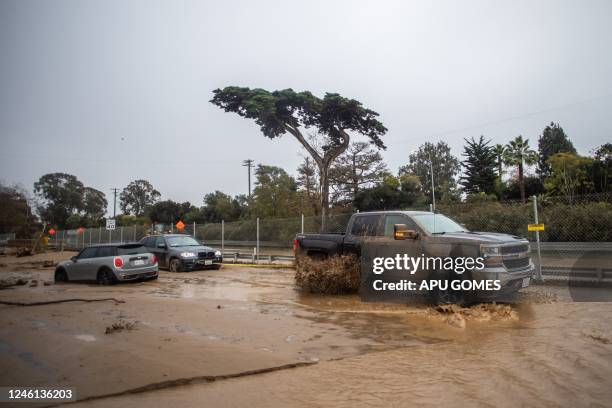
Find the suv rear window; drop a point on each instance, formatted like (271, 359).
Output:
(131, 249)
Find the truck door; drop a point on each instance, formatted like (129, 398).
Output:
(410, 247)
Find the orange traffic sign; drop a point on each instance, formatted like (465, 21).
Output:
(180, 225)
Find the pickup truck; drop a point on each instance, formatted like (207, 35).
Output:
(420, 233)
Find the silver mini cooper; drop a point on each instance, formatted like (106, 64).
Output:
(108, 264)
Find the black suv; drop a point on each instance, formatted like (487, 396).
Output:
(181, 252)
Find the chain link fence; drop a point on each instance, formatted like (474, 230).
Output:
(567, 219)
(586, 218)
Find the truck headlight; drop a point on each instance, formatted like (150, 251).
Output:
(491, 254)
(187, 254)
(487, 250)
(217, 253)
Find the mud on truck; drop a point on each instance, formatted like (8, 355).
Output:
(419, 233)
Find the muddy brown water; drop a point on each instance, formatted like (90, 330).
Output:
(544, 351)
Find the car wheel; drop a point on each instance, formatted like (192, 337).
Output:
(61, 276)
(175, 265)
(216, 266)
(105, 277)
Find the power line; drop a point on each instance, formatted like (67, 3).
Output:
(508, 119)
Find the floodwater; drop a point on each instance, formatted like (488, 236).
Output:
(543, 351)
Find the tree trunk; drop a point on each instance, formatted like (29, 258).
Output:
(324, 177)
(355, 178)
(323, 163)
(521, 181)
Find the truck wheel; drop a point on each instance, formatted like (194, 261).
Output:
(175, 265)
(448, 296)
(105, 277)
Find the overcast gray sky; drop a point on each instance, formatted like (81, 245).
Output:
(113, 91)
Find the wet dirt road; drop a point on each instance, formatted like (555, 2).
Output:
(204, 326)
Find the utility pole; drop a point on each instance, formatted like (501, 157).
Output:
(114, 190)
(248, 163)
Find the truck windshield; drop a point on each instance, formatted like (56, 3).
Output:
(438, 223)
(182, 241)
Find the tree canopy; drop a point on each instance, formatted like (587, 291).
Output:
(15, 211)
(137, 196)
(552, 141)
(274, 194)
(519, 153)
(392, 193)
(445, 168)
(168, 211)
(479, 174)
(63, 198)
(358, 167)
(569, 175)
(333, 117)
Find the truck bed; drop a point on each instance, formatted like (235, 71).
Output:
(319, 244)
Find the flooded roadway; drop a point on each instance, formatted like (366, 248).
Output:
(544, 351)
(547, 351)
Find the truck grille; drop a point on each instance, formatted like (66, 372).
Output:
(514, 249)
(516, 263)
(206, 255)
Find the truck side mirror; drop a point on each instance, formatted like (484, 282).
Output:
(401, 231)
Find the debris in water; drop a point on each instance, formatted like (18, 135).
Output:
(120, 326)
(6, 283)
(597, 336)
(478, 312)
(456, 320)
(21, 252)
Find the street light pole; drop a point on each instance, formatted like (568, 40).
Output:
(433, 189)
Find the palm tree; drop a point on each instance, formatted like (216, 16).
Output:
(519, 154)
(499, 151)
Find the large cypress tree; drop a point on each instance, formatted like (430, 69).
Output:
(552, 141)
(479, 167)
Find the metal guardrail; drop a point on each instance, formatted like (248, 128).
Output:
(575, 275)
(235, 257)
(572, 246)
